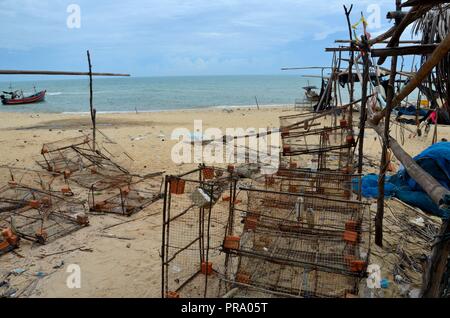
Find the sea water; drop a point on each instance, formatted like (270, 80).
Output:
(160, 93)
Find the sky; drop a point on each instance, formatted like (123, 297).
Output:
(178, 37)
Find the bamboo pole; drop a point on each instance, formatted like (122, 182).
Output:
(383, 42)
(423, 49)
(393, 32)
(14, 72)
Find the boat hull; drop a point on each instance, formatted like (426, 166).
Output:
(36, 98)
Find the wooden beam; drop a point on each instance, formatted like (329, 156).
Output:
(306, 68)
(384, 42)
(424, 49)
(437, 264)
(340, 49)
(14, 72)
(410, 17)
(415, 13)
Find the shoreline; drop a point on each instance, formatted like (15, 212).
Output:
(195, 109)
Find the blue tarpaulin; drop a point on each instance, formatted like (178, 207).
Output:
(411, 111)
(435, 161)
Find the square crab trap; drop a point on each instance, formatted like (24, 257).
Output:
(125, 196)
(321, 149)
(298, 245)
(76, 154)
(62, 156)
(40, 216)
(306, 181)
(307, 120)
(195, 218)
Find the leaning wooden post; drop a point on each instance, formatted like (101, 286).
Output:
(350, 65)
(363, 113)
(91, 102)
(437, 264)
(384, 164)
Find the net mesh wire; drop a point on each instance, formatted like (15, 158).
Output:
(327, 183)
(298, 142)
(126, 196)
(300, 246)
(39, 215)
(195, 221)
(79, 153)
(306, 120)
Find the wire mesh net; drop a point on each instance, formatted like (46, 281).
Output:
(298, 245)
(40, 216)
(195, 220)
(125, 196)
(307, 181)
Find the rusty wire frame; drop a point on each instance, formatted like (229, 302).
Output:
(306, 181)
(299, 245)
(125, 196)
(38, 215)
(195, 219)
(307, 120)
(80, 153)
(315, 141)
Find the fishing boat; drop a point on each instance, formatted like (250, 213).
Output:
(311, 94)
(17, 98)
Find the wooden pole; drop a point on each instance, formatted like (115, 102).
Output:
(91, 102)
(350, 65)
(437, 264)
(423, 49)
(14, 72)
(363, 113)
(384, 164)
(403, 23)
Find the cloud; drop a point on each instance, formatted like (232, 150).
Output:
(197, 36)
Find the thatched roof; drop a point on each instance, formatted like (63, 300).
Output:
(433, 27)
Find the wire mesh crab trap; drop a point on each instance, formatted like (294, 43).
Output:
(316, 141)
(39, 215)
(61, 156)
(32, 178)
(298, 245)
(321, 149)
(125, 196)
(307, 120)
(327, 183)
(195, 217)
(79, 153)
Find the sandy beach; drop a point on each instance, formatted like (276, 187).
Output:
(115, 267)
